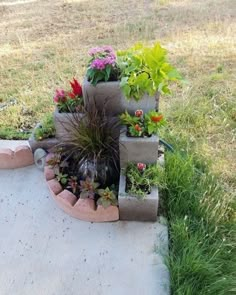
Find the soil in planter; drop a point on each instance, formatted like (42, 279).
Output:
(128, 134)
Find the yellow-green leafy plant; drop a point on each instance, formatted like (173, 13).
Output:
(145, 70)
(46, 129)
(107, 197)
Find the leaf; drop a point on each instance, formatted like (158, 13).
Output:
(84, 195)
(105, 203)
(100, 192)
(123, 81)
(63, 180)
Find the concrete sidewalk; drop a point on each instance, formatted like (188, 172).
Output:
(43, 251)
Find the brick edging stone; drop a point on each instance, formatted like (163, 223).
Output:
(22, 156)
(83, 209)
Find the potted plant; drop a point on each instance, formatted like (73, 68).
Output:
(67, 103)
(138, 192)
(107, 197)
(43, 135)
(145, 70)
(91, 147)
(102, 80)
(133, 80)
(140, 140)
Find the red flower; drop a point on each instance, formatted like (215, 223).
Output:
(141, 166)
(137, 128)
(139, 113)
(71, 95)
(77, 89)
(157, 119)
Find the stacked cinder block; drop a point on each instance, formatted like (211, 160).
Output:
(136, 150)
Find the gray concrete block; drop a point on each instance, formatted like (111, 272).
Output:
(108, 96)
(138, 149)
(45, 144)
(63, 122)
(132, 208)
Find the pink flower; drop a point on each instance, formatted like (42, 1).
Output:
(141, 166)
(60, 96)
(139, 113)
(98, 64)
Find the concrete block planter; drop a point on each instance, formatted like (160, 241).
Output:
(132, 208)
(63, 122)
(108, 95)
(45, 144)
(138, 149)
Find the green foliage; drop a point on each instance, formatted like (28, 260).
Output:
(139, 126)
(71, 105)
(107, 198)
(62, 178)
(108, 74)
(11, 133)
(128, 120)
(153, 122)
(202, 255)
(46, 128)
(140, 182)
(145, 70)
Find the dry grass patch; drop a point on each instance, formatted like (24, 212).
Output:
(43, 44)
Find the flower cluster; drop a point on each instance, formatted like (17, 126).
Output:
(69, 101)
(142, 124)
(102, 65)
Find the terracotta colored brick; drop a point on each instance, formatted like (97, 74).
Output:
(67, 198)
(23, 156)
(49, 173)
(54, 186)
(6, 159)
(85, 205)
(83, 209)
(109, 214)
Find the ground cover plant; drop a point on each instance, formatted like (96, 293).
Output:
(201, 113)
(46, 128)
(141, 178)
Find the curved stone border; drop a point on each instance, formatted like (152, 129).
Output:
(21, 157)
(83, 209)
